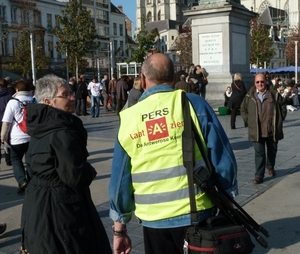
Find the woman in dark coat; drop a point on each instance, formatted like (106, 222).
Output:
(238, 93)
(58, 214)
(81, 94)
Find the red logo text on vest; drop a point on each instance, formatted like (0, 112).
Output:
(157, 129)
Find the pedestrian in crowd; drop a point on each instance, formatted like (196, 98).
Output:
(288, 95)
(81, 94)
(112, 90)
(178, 74)
(12, 133)
(10, 86)
(105, 92)
(238, 93)
(295, 96)
(5, 96)
(182, 84)
(121, 91)
(264, 111)
(269, 82)
(129, 82)
(200, 74)
(146, 180)
(135, 93)
(280, 89)
(72, 85)
(191, 69)
(58, 214)
(85, 94)
(94, 88)
(227, 95)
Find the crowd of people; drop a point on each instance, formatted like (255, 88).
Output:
(58, 214)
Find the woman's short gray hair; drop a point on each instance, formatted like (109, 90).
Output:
(47, 87)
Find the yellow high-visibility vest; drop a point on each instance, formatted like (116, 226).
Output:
(151, 134)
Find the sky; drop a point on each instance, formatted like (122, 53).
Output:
(129, 9)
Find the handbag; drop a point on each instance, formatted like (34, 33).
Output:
(204, 80)
(217, 234)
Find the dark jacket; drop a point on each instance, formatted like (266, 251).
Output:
(134, 96)
(81, 90)
(275, 113)
(5, 96)
(183, 86)
(121, 90)
(238, 93)
(58, 209)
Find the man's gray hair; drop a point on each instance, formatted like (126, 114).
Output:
(162, 72)
(47, 87)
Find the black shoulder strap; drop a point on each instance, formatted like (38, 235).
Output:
(188, 154)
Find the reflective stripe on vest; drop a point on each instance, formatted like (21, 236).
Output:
(153, 140)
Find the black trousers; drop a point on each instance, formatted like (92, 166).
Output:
(164, 241)
(234, 112)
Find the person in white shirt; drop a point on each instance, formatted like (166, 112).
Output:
(94, 89)
(11, 132)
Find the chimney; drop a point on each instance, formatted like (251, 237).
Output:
(120, 7)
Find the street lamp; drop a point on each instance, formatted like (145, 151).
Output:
(67, 67)
(296, 61)
(32, 57)
(111, 58)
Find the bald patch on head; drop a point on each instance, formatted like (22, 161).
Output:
(159, 68)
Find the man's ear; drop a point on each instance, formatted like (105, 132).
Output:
(143, 80)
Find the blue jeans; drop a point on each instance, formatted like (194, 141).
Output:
(260, 155)
(16, 155)
(95, 106)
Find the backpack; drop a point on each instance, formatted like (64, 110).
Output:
(23, 107)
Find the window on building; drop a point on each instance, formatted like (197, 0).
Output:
(121, 29)
(37, 17)
(13, 15)
(3, 44)
(172, 37)
(3, 12)
(279, 53)
(158, 16)
(115, 46)
(57, 23)
(50, 46)
(149, 16)
(25, 17)
(121, 48)
(115, 28)
(49, 20)
(14, 43)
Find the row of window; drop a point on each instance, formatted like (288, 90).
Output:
(121, 31)
(26, 16)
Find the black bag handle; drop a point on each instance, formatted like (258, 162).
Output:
(188, 154)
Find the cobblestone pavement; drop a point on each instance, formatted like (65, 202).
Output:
(102, 132)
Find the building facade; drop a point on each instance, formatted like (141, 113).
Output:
(41, 15)
(156, 10)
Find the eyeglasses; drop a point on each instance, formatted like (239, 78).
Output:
(65, 96)
(259, 81)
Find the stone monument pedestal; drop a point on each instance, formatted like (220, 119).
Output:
(221, 43)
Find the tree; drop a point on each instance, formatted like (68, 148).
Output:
(260, 43)
(183, 46)
(146, 41)
(294, 35)
(22, 57)
(78, 34)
